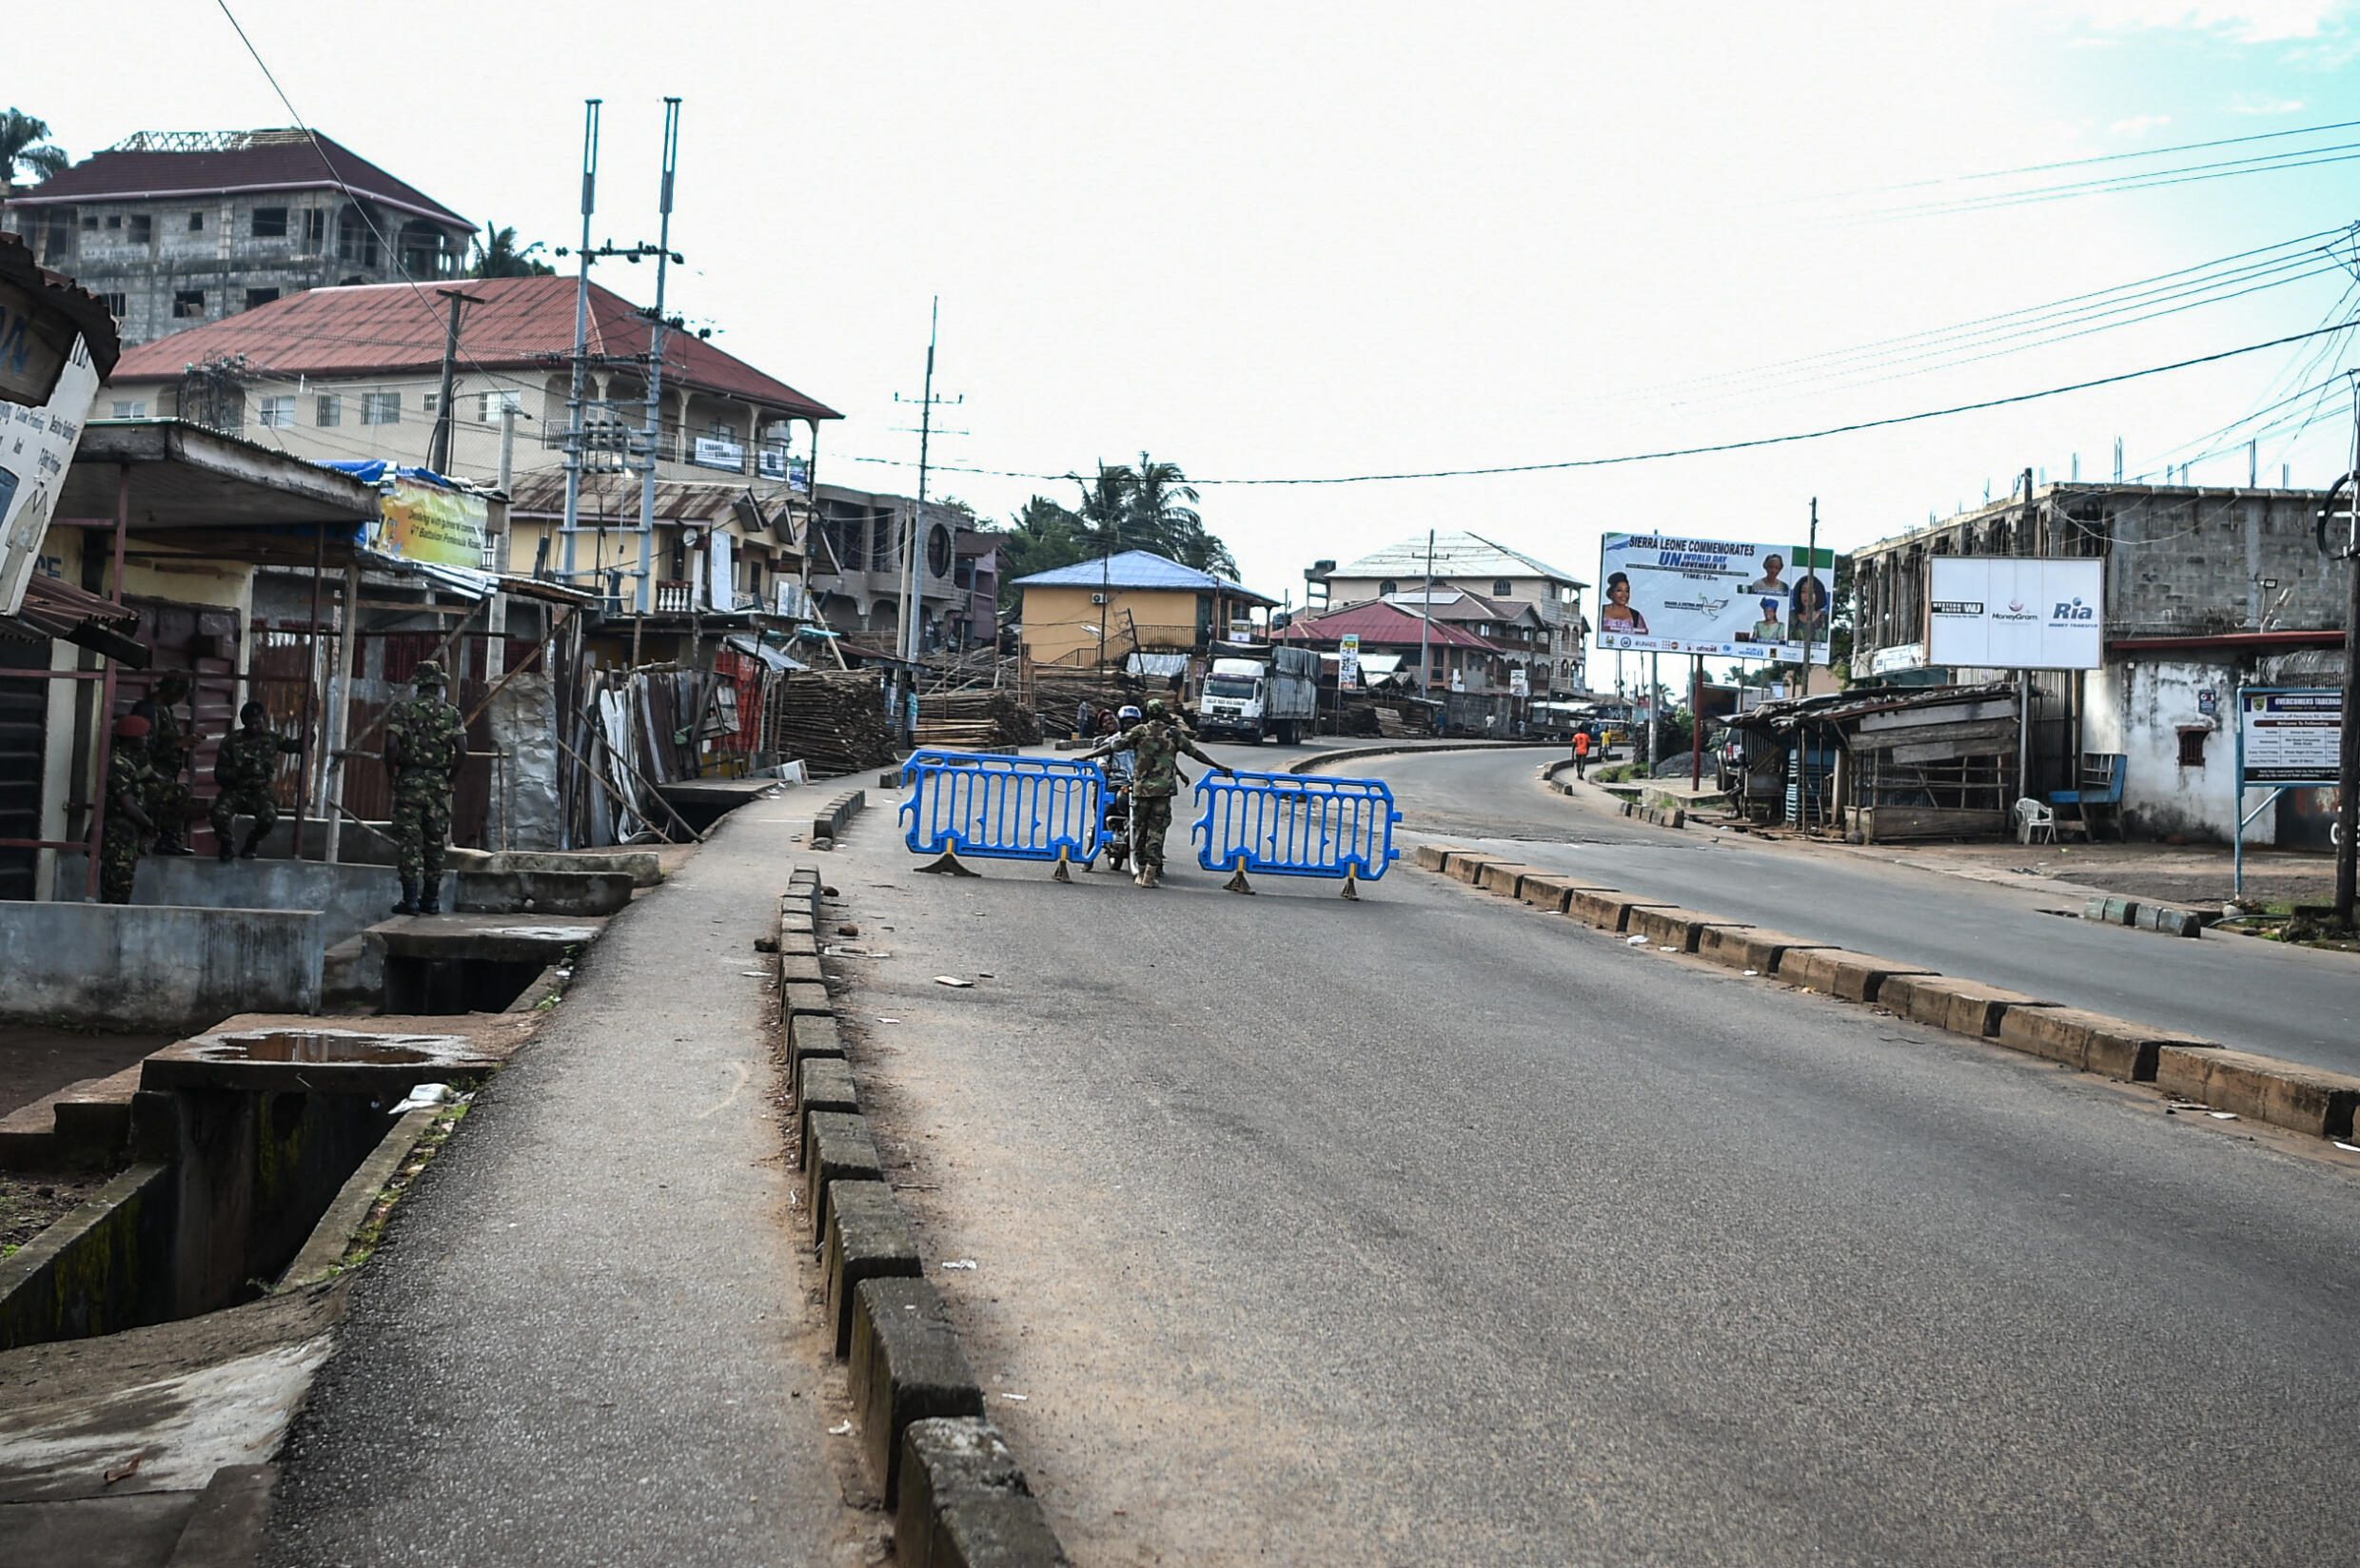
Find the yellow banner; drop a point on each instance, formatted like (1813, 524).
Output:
(427, 523)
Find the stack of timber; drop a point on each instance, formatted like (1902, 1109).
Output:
(975, 718)
(1057, 695)
(834, 721)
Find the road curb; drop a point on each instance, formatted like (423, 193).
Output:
(2314, 1101)
(1356, 753)
(959, 1498)
(828, 823)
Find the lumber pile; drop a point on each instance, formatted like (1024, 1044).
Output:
(973, 718)
(834, 721)
(1057, 695)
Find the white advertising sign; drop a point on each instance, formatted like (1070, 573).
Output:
(2016, 613)
(1519, 682)
(2290, 736)
(36, 443)
(1717, 596)
(722, 580)
(1348, 659)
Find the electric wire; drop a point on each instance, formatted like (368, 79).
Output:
(2090, 161)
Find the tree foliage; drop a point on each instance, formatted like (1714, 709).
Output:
(498, 255)
(24, 148)
(1120, 507)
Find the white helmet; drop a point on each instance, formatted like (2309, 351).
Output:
(1130, 714)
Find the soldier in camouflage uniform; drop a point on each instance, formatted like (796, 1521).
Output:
(1156, 745)
(247, 764)
(426, 741)
(125, 837)
(168, 794)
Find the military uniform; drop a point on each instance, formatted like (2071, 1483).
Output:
(426, 741)
(247, 764)
(125, 838)
(1156, 745)
(165, 793)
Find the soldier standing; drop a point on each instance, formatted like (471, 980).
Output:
(247, 764)
(426, 741)
(1156, 745)
(167, 796)
(125, 837)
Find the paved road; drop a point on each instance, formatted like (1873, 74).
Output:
(1432, 1229)
(2291, 1002)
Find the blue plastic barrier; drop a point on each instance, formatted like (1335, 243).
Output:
(1004, 808)
(1295, 825)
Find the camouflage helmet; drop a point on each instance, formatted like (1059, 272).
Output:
(1155, 707)
(427, 673)
(174, 682)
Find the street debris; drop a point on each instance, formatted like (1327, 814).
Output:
(840, 950)
(2222, 1115)
(2349, 1149)
(1634, 941)
(123, 1472)
(953, 980)
(1018, 1397)
(848, 929)
(959, 1263)
(882, 1019)
(840, 1428)
(423, 1096)
(1750, 973)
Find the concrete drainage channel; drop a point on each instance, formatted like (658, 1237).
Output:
(959, 1497)
(2287, 1094)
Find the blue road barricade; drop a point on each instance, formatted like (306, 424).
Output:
(1295, 825)
(1004, 808)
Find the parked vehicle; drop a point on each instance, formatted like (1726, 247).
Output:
(1253, 692)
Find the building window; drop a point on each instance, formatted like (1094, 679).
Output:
(2192, 748)
(270, 223)
(278, 413)
(433, 404)
(116, 304)
(196, 223)
(114, 219)
(130, 409)
(257, 298)
(1499, 587)
(328, 411)
(1388, 588)
(143, 228)
(315, 229)
(188, 304)
(90, 222)
(497, 404)
(380, 408)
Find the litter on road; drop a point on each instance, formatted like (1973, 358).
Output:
(953, 980)
(1634, 941)
(959, 1263)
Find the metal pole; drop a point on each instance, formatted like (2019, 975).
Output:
(1425, 625)
(339, 713)
(2348, 753)
(107, 693)
(1811, 565)
(2024, 677)
(1696, 726)
(654, 364)
(311, 668)
(508, 453)
(438, 450)
(581, 333)
(913, 601)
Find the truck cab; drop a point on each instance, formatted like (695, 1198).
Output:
(1233, 699)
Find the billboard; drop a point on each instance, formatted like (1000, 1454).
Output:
(2016, 612)
(2290, 736)
(36, 443)
(430, 524)
(1717, 596)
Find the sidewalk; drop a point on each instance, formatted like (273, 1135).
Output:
(586, 1340)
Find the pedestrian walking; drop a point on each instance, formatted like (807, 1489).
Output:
(1156, 745)
(1581, 751)
(127, 834)
(248, 763)
(1084, 722)
(426, 741)
(168, 797)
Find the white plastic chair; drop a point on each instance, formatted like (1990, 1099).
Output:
(2033, 817)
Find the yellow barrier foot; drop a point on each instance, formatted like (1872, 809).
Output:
(948, 865)
(1063, 872)
(1238, 883)
(1351, 882)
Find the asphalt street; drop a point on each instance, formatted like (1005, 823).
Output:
(2284, 1001)
(1430, 1229)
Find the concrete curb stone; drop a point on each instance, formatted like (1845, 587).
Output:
(866, 1237)
(1605, 909)
(2092, 1042)
(823, 1083)
(1749, 947)
(804, 1000)
(1504, 878)
(1854, 976)
(965, 1501)
(1432, 856)
(2301, 1099)
(906, 1367)
(1669, 926)
(1551, 891)
(1962, 1006)
(797, 970)
(836, 1147)
(1467, 866)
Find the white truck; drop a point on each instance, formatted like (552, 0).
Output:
(1254, 691)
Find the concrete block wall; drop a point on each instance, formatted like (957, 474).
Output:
(145, 967)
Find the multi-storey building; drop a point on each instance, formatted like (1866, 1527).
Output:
(1478, 565)
(176, 229)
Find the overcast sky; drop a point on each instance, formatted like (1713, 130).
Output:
(1281, 240)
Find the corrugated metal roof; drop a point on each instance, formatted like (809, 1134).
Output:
(153, 165)
(1457, 553)
(609, 498)
(1387, 624)
(375, 329)
(1137, 569)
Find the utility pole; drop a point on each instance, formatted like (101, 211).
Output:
(913, 538)
(1811, 565)
(2347, 751)
(574, 423)
(2026, 544)
(654, 436)
(438, 451)
(1426, 627)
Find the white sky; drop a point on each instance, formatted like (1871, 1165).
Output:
(1284, 239)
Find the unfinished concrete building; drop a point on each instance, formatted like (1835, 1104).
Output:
(176, 228)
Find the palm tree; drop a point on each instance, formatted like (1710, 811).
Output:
(1163, 506)
(1106, 510)
(23, 144)
(497, 255)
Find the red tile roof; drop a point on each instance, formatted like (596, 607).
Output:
(378, 329)
(1382, 626)
(152, 165)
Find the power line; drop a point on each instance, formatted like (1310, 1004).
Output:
(2194, 174)
(1666, 453)
(2090, 162)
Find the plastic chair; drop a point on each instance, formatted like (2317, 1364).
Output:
(2033, 817)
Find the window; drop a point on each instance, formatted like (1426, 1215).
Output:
(1388, 588)
(315, 229)
(722, 430)
(196, 223)
(257, 298)
(434, 404)
(130, 409)
(188, 304)
(143, 228)
(115, 304)
(278, 413)
(1499, 587)
(497, 404)
(2192, 748)
(114, 219)
(90, 222)
(270, 223)
(327, 411)
(380, 408)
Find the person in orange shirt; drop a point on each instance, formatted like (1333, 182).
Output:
(1581, 751)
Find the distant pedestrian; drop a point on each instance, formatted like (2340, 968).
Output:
(1581, 744)
(129, 827)
(248, 763)
(426, 741)
(1156, 744)
(1084, 722)
(168, 797)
